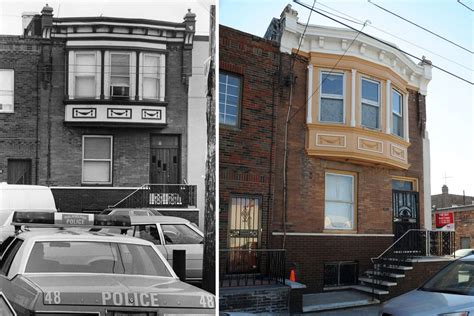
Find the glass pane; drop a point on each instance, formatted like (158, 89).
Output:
(85, 87)
(233, 80)
(151, 66)
(221, 107)
(96, 171)
(233, 90)
(370, 90)
(86, 64)
(222, 88)
(397, 125)
(402, 185)
(120, 64)
(6, 80)
(232, 100)
(229, 95)
(231, 120)
(179, 234)
(150, 88)
(332, 84)
(231, 110)
(339, 188)
(338, 215)
(370, 116)
(97, 148)
(6, 99)
(147, 232)
(331, 110)
(120, 81)
(396, 102)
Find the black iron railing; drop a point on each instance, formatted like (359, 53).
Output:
(160, 195)
(413, 243)
(252, 267)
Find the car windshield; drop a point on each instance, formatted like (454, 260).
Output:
(456, 278)
(95, 257)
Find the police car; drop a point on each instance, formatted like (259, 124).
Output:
(70, 271)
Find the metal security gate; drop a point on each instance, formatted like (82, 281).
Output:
(244, 233)
(405, 217)
(164, 160)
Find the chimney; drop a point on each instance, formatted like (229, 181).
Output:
(444, 189)
(46, 21)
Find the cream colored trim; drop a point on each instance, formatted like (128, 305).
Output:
(319, 143)
(309, 118)
(406, 130)
(398, 156)
(408, 179)
(353, 97)
(121, 44)
(388, 105)
(331, 235)
(360, 144)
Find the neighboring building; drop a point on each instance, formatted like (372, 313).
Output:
(111, 112)
(350, 179)
(445, 199)
(463, 224)
(250, 79)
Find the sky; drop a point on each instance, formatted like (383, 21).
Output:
(449, 102)
(165, 10)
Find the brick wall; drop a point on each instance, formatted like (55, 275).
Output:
(18, 130)
(463, 224)
(265, 299)
(245, 153)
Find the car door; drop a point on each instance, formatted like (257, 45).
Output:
(181, 236)
(151, 233)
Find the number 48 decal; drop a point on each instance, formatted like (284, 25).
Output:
(52, 297)
(207, 301)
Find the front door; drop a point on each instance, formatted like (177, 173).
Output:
(164, 160)
(406, 217)
(244, 234)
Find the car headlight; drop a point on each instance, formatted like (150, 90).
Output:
(455, 314)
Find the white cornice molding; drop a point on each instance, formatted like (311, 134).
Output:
(333, 40)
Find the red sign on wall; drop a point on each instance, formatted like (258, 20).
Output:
(445, 221)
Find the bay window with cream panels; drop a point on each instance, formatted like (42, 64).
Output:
(119, 72)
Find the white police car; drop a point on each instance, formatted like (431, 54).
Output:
(450, 292)
(69, 271)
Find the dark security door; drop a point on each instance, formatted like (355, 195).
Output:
(405, 217)
(19, 171)
(164, 160)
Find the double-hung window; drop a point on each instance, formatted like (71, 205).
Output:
(151, 76)
(85, 75)
(370, 103)
(339, 201)
(6, 90)
(97, 159)
(229, 99)
(119, 75)
(397, 113)
(332, 98)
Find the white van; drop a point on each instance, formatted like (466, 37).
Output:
(19, 197)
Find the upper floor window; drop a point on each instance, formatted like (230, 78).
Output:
(370, 104)
(339, 210)
(397, 113)
(229, 99)
(119, 75)
(85, 75)
(6, 90)
(332, 98)
(97, 159)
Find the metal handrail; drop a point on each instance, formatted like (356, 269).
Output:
(395, 242)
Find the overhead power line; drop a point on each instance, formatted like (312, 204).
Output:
(459, 1)
(383, 42)
(357, 21)
(421, 27)
(302, 36)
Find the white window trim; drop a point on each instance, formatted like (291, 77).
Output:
(9, 108)
(239, 99)
(371, 103)
(400, 115)
(353, 202)
(332, 96)
(108, 160)
(161, 77)
(73, 72)
(132, 73)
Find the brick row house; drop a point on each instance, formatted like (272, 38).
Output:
(96, 107)
(336, 124)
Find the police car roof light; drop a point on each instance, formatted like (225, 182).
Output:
(50, 219)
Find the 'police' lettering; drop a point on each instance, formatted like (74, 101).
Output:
(130, 299)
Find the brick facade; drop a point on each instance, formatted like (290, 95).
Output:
(463, 223)
(267, 300)
(446, 199)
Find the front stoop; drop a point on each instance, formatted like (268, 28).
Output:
(336, 300)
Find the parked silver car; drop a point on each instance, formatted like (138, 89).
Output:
(448, 292)
(169, 233)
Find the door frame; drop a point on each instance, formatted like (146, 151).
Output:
(179, 172)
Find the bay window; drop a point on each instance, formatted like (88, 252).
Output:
(332, 98)
(339, 205)
(370, 103)
(97, 159)
(397, 113)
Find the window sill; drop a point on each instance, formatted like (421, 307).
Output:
(230, 127)
(339, 231)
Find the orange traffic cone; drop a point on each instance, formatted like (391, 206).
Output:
(292, 275)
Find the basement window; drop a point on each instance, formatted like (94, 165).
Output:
(340, 273)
